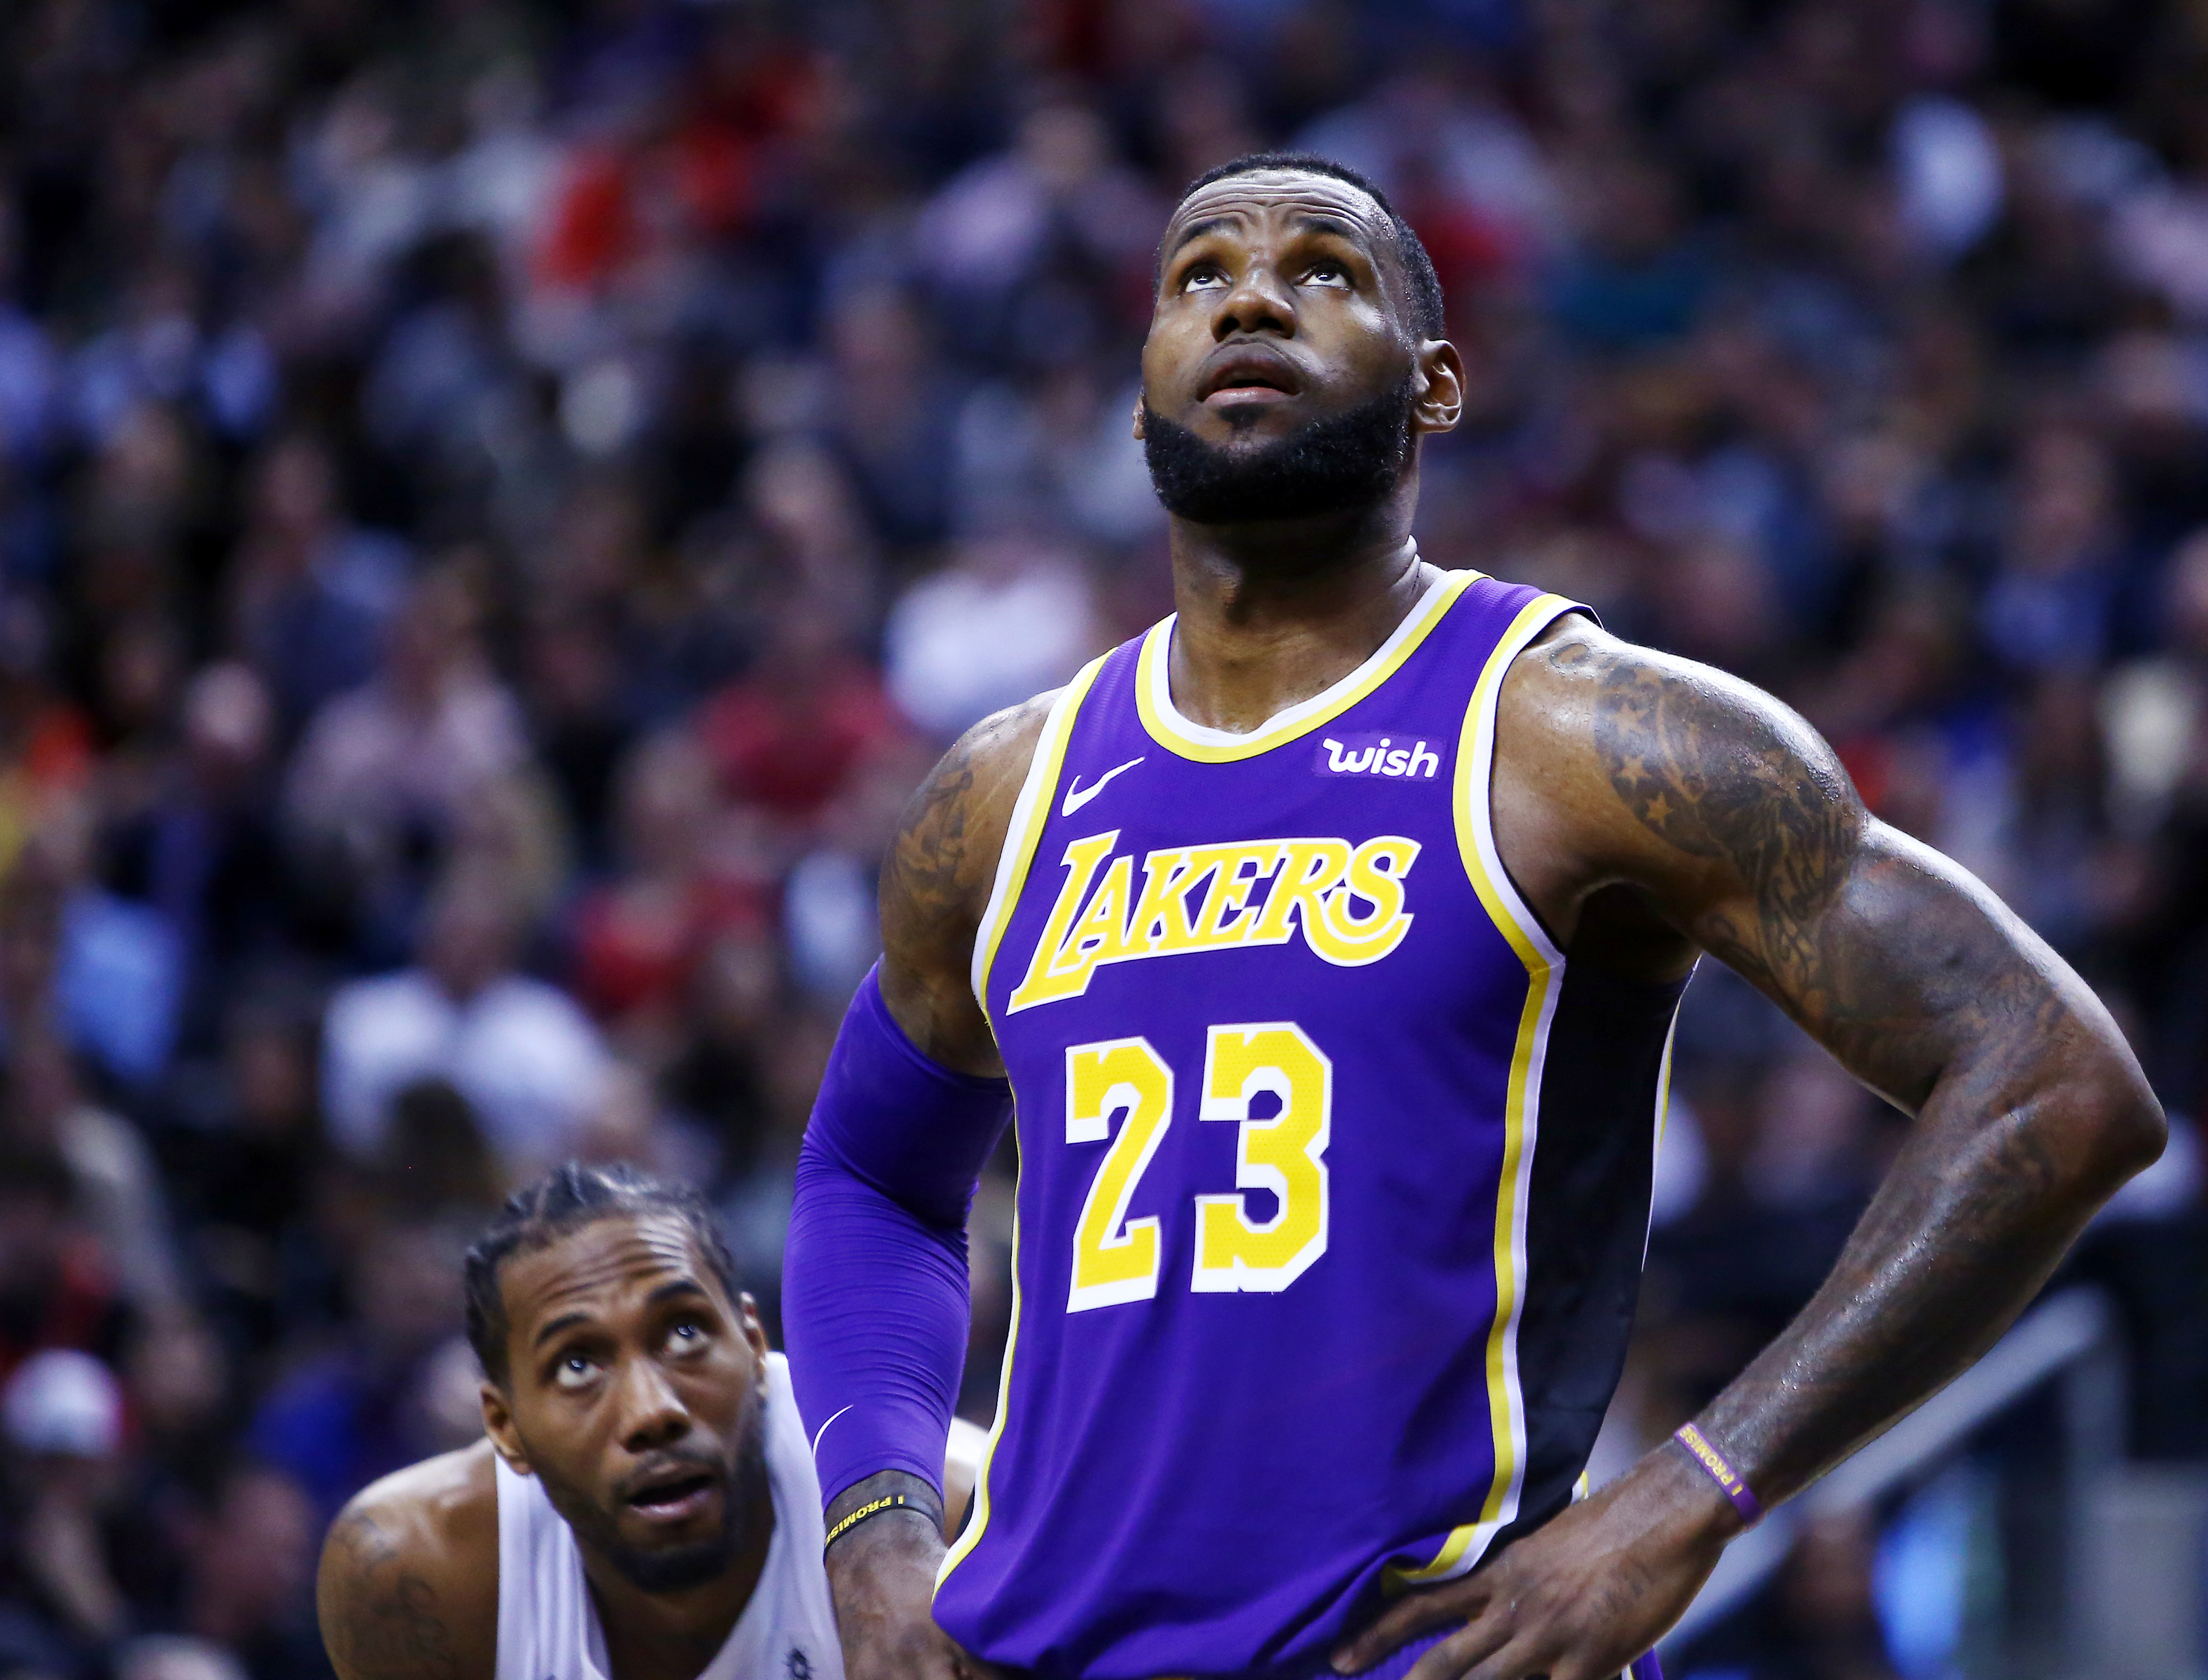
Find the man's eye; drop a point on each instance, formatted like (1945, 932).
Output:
(1204, 276)
(1327, 273)
(688, 1333)
(574, 1370)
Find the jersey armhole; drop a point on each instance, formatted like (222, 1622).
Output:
(1030, 812)
(512, 1659)
(1474, 808)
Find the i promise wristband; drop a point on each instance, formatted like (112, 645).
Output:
(890, 1501)
(1730, 1480)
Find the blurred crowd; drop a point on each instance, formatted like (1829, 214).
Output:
(500, 501)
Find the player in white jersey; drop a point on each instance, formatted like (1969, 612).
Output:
(644, 1506)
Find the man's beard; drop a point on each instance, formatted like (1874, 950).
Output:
(674, 1569)
(1338, 464)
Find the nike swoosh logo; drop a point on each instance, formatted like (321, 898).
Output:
(1077, 795)
(824, 1429)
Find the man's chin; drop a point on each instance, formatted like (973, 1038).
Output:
(657, 1556)
(676, 1566)
(1247, 426)
(1279, 466)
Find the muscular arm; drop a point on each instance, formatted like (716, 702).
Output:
(1742, 829)
(1710, 805)
(408, 1588)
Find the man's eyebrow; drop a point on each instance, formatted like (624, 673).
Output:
(1311, 221)
(667, 1291)
(553, 1326)
(1196, 230)
(1322, 221)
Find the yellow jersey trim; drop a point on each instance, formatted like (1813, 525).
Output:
(1545, 964)
(974, 1529)
(1163, 723)
(1029, 813)
(1663, 1113)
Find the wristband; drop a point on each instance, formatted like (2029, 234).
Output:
(1730, 1480)
(888, 1502)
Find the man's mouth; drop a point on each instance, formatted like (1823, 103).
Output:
(674, 1498)
(1249, 376)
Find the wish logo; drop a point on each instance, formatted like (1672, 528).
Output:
(1391, 756)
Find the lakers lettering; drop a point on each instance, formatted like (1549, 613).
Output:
(1347, 900)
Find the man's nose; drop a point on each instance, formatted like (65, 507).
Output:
(1257, 302)
(653, 1413)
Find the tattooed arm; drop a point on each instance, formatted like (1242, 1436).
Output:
(1629, 785)
(408, 1583)
(936, 886)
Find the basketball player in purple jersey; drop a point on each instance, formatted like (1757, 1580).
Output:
(1329, 936)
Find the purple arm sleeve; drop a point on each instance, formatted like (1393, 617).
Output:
(874, 1293)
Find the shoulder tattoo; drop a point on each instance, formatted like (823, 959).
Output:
(945, 851)
(385, 1623)
(1891, 966)
(1716, 778)
(931, 859)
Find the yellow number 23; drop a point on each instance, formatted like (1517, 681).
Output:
(1116, 1259)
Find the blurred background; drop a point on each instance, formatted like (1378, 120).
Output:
(500, 502)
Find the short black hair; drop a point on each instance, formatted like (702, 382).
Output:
(563, 1201)
(1428, 308)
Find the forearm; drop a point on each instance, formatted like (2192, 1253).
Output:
(875, 1308)
(2029, 1109)
(881, 1575)
(1999, 1176)
(875, 1290)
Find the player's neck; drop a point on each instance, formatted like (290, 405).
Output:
(1271, 614)
(674, 1635)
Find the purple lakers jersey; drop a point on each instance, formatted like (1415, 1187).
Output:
(1333, 1184)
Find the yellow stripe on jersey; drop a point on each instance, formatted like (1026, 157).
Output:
(1663, 1115)
(980, 1522)
(1543, 969)
(1152, 691)
(1029, 813)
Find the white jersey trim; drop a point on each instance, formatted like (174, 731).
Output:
(1029, 813)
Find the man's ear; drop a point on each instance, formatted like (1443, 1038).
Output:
(748, 1319)
(1439, 404)
(1138, 417)
(498, 1424)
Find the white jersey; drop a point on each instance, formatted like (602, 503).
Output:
(548, 1627)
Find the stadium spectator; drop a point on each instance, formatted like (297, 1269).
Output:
(370, 1406)
(311, 593)
(1006, 619)
(791, 734)
(61, 1412)
(639, 939)
(386, 772)
(56, 1290)
(250, 1567)
(526, 1059)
